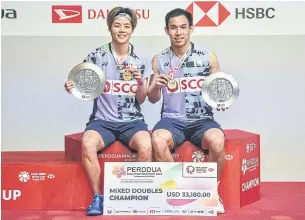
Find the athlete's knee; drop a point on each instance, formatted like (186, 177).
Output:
(145, 153)
(161, 140)
(91, 141)
(144, 147)
(215, 141)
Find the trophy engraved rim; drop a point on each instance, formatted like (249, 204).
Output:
(89, 80)
(220, 90)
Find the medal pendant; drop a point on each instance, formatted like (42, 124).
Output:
(172, 84)
(127, 76)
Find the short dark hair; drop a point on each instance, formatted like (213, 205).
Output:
(117, 10)
(178, 12)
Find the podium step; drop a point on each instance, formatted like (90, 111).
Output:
(42, 180)
(55, 180)
(240, 183)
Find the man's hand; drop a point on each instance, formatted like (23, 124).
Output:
(69, 85)
(136, 74)
(161, 81)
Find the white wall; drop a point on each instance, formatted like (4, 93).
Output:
(37, 112)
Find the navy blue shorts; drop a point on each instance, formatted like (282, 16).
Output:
(186, 131)
(121, 131)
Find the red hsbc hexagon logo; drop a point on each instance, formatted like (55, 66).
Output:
(208, 14)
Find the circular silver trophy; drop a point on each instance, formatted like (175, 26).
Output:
(89, 80)
(220, 90)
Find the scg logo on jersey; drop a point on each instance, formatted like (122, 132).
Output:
(119, 87)
(67, 14)
(188, 84)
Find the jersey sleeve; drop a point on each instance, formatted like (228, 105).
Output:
(96, 56)
(90, 58)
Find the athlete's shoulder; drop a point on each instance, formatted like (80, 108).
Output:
(164, 52)
(97, 53)
(200, 50)
(101, 50)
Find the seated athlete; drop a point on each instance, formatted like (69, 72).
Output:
(179, 72)
(116, 113)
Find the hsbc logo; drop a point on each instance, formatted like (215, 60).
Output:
(208, 13)
(229, 157)
(67, 14)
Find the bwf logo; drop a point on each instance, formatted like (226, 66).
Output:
(67, 14)
(198, 156)
(24, 176)
(208, 14)
(190, 169)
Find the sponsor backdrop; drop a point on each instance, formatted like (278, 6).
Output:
(260, 43)
(210, 17)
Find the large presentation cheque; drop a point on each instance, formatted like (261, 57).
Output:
(134, 188)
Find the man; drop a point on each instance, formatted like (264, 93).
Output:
(116, 113)
(185, 115)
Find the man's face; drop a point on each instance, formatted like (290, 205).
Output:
(179, 30)
(121, 30)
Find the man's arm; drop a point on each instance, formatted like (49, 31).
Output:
(141, 91)
(154, 90)
(143, 80)
(214, 63)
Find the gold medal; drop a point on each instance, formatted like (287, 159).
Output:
(172, 84)
(127, 76)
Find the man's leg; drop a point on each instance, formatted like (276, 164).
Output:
(135, 135)
(208, 134)
(167, 134)
(141, 142)
(214, 140)
(95, 138)
(91, 143)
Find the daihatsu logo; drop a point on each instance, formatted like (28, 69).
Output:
(66, 14)
(63, 16)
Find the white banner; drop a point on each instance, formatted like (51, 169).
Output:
(133, 188)
(210, 18)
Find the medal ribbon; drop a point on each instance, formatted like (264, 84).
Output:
(172, 71)
(116, 58)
